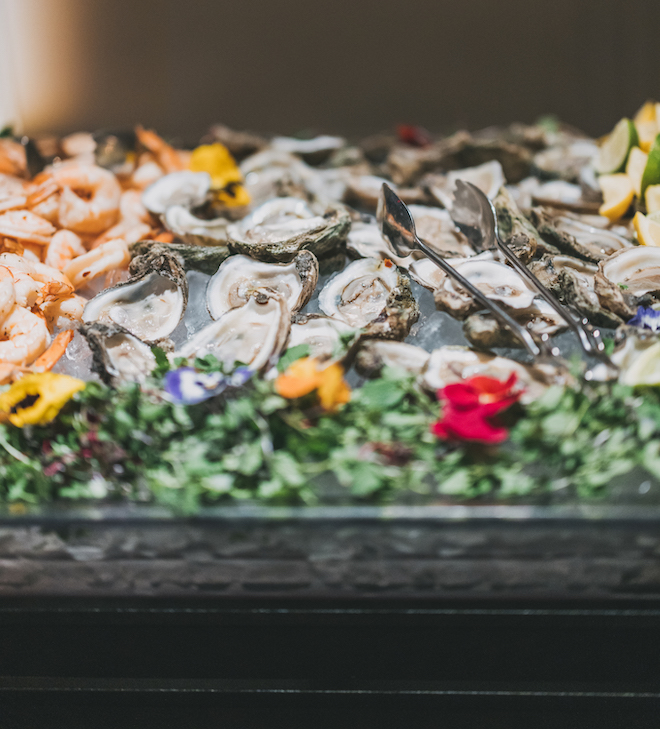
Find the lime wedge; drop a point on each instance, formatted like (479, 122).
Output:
(651, 174)
(613, 153)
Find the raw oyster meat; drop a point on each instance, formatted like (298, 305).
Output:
(325, 336)
(374, 354)
(628, 278)
(450, 364)
(280, 228)
(253, 334)
(488, 177)
(572, 281)
(194, 230)
(149, 305)
(118, 356)
(576, 236)
(497, 281)
(313, 151)
(186, 188)
(239, 276)
(374, 295)
(435, 227)
(484, 331)
(424, 272)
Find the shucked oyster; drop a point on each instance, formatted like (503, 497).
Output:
(374, 354)
(253, 334)
(313, 151)
(239, 276)
(205, 259)
(628, 278)
(324, 335)
(366, 241)
(435, 227)
(194, 230)
(488, 177)
(572, 281)
(118, 355)
(372, 294)
(178, 188)
(150, 304)
(280, 228)
(450, 364)
(496, 280)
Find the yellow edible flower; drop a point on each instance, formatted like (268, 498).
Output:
(304, 376)
(226, 178)
(36, 399)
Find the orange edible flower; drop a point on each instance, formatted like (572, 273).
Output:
(304, 376)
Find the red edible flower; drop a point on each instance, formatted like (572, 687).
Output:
(413, 135)
(470, 407)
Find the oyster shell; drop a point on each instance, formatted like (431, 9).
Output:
(572, 281)
(514, 225)
(253, 334)
(271, 173)
(450, 364)
(374, 295)
(324, 335)
(204, 259)
(484, 331)
(566, 159)
(193, 230)
(118, 356)
(632, 342)
(424, 272)
(186, 188)
(239, 276)
(374, 354)
(488, 177)
(280, 228)
(496, 280)
(366, 241)
(435, 227)
(573, 236)
(628, 278)
(363, 191)
(149, 305)
(313, 151)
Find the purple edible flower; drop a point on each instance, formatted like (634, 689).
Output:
(646, 318)
(239, 376)
(186, 386)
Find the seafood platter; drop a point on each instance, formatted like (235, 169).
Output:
(408, 319)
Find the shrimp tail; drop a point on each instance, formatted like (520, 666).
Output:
(48, 360)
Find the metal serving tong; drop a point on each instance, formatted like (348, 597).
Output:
(474, 214)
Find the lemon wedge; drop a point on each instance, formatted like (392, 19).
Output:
(652, 199)
(635, 168)
(645, 370)
(618, 194)
(647, 229)
(613, 152)
(647, 113)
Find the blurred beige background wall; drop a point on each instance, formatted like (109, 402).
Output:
(350, 66)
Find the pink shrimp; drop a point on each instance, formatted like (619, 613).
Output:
(108, 256)
(26, 227)
(63, 247)
(89, 202)
(170, 159)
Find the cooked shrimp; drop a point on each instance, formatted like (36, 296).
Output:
(64, 313)
(89, 202)
(7, 296)
(24, 337)
(13, 193)
(38, 271)
(108, 256)
(170, 159)
(26, 226)
(52, 355)
(129, 231)
(145, 174)
(79, 145)
(132, 208)
(13, 160)
(63, 247)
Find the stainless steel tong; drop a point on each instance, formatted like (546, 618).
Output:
(474, 214)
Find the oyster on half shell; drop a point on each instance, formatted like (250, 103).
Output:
(373, 295)
(239, 276)
(186, 188)
(627, 279)
(278, 229)
(253, 334)
(193, 230)
(118, 356)
(150, 304)
(488, 177)
(496, 280)
(374, 354)
(325, 336)
(451, 363)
